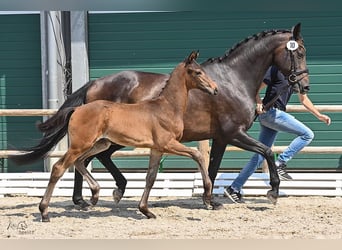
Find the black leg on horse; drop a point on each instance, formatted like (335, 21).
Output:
(77, 197)
(244, 141)
(216, 154)
(121, 182)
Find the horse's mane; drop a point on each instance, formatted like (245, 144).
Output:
(244, 41)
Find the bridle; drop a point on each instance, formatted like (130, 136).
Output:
(292, 78)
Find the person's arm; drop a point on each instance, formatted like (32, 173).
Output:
(259, 106)
(305, 100)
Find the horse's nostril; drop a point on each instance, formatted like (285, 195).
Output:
(215, 91)
(307, 88)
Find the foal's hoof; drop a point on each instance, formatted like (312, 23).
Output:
(216, 205)
(207, 203)
(148, 214)
(151, 216)
(272, 196)
(45, 219)
(117, 195)
(94, 200)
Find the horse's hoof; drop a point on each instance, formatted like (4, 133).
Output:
(216, 205)
(82, 204)
(272, 196)
(117, 195)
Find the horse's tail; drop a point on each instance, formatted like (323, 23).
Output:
(48, 141)
(74, 100)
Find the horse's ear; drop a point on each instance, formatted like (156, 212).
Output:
(296, 31)
(193, 56)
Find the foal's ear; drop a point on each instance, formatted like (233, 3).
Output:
(296, 31)
(193, 56)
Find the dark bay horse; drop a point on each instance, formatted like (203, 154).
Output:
(156, 124)
(225, 119)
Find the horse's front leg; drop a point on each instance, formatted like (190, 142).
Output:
(216, 154)
(151, 175)
(272, 194)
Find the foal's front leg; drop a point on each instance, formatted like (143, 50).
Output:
(175, 147)
(155, 157)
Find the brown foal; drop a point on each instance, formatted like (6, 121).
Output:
(156, 124)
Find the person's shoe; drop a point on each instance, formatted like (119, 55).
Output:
(234, 196)
(283, 175)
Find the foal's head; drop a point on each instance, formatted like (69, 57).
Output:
(194, 75)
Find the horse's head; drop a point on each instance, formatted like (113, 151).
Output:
(290, 57)
(196, 77)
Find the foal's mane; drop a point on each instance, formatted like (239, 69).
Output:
(244, 41)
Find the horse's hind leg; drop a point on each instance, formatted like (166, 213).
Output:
(121, 182)
(246, 142)
(151, 175)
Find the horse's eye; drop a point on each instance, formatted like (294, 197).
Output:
(300, 55)
(198, 72)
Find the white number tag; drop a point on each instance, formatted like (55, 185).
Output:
(292, 45)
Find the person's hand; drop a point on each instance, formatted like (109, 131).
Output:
(259, 108)
(324, 118)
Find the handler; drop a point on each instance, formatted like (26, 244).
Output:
(272, 121)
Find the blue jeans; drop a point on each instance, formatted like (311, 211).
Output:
(271, 123)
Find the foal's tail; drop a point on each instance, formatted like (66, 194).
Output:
(74, 100)
(60, 124)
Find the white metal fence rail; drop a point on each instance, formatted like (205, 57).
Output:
(174, 184)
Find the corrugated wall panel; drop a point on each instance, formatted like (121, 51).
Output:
(158, 41)
(20, 84)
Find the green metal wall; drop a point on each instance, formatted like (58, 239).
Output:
(158, 41)
(20, 84)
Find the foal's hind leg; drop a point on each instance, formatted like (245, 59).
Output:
(105, 158)
(93, 185)
(77, 196)
(176, 147)
(57, 172)
(99, 146)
